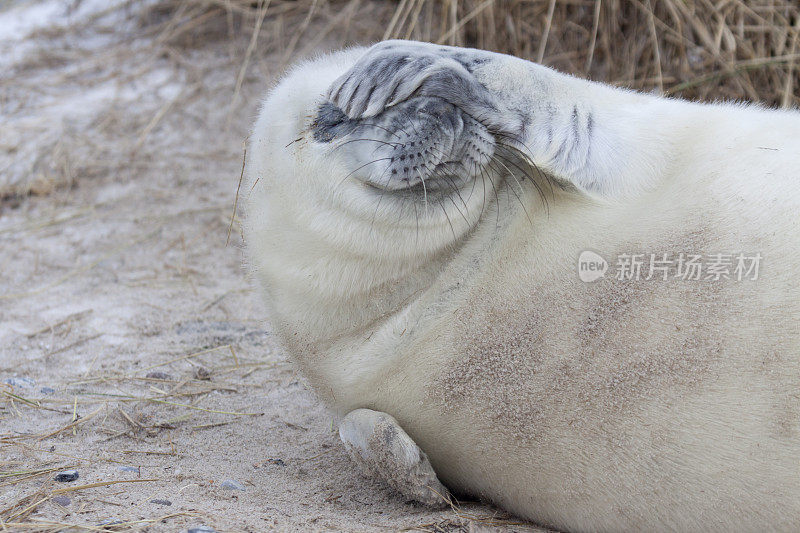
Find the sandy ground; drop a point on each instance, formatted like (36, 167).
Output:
(131, 348)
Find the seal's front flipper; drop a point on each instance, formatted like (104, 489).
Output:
(378, 444)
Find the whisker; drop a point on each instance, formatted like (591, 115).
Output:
(450, 197)
(448, 220)
(483, 182)
(367, 140)
(529, 159)
(378, 205)
(416, 217)
(496, 198)
(521, 203)
(359, 168)
(542, 195)
(424, 192)
(387, 130)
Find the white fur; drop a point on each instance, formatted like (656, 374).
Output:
(468, 323)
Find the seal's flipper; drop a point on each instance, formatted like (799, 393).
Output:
(381, 448)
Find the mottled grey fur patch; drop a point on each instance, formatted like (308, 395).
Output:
(580, 355)
(496, 349)
(396, 70)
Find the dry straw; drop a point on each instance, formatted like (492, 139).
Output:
(698, 49)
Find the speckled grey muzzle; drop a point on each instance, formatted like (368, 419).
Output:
(421, 142)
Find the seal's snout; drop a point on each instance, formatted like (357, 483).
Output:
(330, 123)
(423, 141)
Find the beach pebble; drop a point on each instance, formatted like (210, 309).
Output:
(202, 373)
(158, 375)
(161, 502)
(63, 501)
(128, 469)
(231, 485)
(66, 476)
(20, 382)
(202, 529)
(110, 522)
(47, 390)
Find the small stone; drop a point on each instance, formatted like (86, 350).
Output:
(66, 476)
(230, 484)
(110, 522)
(158, 375)
(202, 529)
(202, 373)
(20, 382)
(278, 462)
(161, 502)
(63, 501)
(47, 390)
(128, 468)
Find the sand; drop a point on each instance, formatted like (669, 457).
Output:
(118, 266)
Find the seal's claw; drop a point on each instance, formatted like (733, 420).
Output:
(381, 448)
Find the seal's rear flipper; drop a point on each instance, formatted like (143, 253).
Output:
(378, 444)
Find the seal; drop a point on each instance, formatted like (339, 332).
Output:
(418, 218)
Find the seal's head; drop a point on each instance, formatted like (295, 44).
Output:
(350, 212)
(406, 183)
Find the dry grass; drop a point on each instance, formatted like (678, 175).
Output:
(699, 49)
(131, 406)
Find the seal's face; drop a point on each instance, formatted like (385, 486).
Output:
(420, 170)
(422, 145)
(341, 202)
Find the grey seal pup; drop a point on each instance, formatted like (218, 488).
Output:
(450, 243)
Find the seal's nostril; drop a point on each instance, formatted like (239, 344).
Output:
(330, 123)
